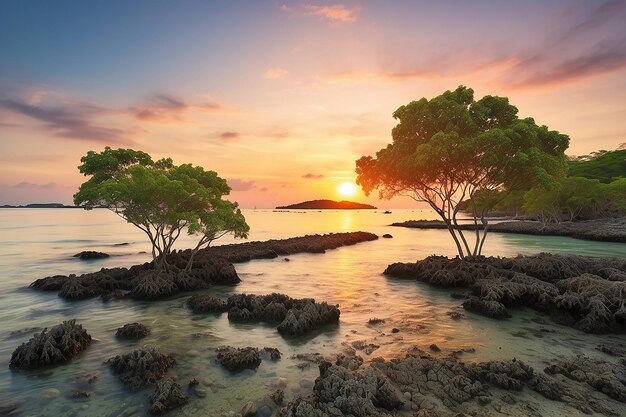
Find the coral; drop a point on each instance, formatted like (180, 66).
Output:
(132, 331)
(205, 303)
(238, 359)
(167, 395)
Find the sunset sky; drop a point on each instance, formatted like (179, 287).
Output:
(281, 97)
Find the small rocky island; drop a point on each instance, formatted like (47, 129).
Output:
(327, 205)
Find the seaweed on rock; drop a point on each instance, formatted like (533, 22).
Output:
(294, 316)
(238, 359)
(132, 331)
(205, 303)
(152, 285)
(141, 367)
(167, 395)
(50, 347)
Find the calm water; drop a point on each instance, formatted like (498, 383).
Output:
(40, 242)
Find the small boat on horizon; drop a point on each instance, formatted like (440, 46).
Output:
(386, 212)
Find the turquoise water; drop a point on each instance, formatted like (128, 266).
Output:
(40, 242)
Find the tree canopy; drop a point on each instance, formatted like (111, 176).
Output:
(160, 198)
(604, 166)
(448, 148)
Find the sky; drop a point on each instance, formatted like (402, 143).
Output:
(281, 97)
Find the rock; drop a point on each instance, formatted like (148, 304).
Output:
(193, 382)
(387, 236)
(584, 292)
(395, 330)
(151, 285)
(294, 316)
(249, 409)
(132, 331)
(238, 359)
(272, 353)
(77, 394)
(278, 396)
(141, 367)
(205, 303)
(200, 392)
(210, 266)
(375, 321)
(58, 345)
(487, 308)
(167, 395)
(89, 254)
(434, 348)
(264, 411)
(280, 382)
(50, 393)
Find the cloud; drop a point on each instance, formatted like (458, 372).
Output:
(166, 108)
(70, 121)
(31, 185)
(331, 12)
(263, 189)
(310, 176)
(241, 185)
(275, 73)
(229, 135)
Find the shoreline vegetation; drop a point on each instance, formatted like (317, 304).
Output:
(603, 230)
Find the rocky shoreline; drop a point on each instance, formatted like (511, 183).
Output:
(583, 292)
(602, 230)
(211, 266)
(426, 386)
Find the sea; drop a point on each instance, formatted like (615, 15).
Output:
(35, 243)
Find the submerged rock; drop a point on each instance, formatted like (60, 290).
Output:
(132, 331)
(167, 395)
(50, 347)
(238, 359)
(141, 367)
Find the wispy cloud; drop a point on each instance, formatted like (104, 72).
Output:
(238, 184)
(310, 176)
(275, 73)
(72, 121)
(167, 108)
(35, 186)
(330, 12)
(228, 135)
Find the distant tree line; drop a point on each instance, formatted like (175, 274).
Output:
(595, 187)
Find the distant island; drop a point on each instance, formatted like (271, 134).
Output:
(40, 205)
(327, 205)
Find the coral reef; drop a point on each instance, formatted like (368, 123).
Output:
(132, 331)
(238, 359)
(167, 395)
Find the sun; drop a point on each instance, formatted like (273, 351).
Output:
(346, 189)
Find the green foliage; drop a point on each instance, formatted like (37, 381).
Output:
(445, 149)
(604, 166)
(160, 198)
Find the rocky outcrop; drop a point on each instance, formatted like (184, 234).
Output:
(90, 254)
(167, 395)
(293, 316)
(210, 266)
(50, 347)
(205, 303)
(447, 388)
(584, 292)
(238, 359)
(132, 331)
(605, 230)
(141, 367)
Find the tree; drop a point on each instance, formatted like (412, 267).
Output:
(447, 148)
(160, 198)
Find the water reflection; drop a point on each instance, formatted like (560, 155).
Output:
(35, 243)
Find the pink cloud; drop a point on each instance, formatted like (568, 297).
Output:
(331, 12)
(275, 73)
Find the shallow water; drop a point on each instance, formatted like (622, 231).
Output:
(40, 242)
